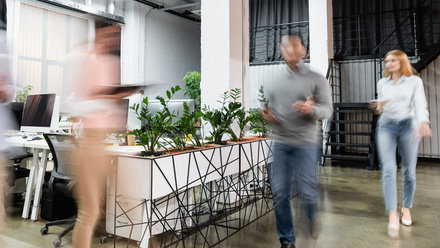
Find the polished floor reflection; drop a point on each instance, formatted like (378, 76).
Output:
(352, 214)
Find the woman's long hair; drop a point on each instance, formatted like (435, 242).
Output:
(405, 66)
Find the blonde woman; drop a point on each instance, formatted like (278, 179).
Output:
(404, 120)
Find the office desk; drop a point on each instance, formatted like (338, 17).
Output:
(36, 173)
(38, 169)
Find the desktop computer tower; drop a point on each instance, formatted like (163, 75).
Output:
(57, 207)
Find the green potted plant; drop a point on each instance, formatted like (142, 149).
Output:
(221, 118)
(258, 124)
(184, 130)
(242, 120)
(23, 93)
(153, 124)
(192, 88)
(240, 115)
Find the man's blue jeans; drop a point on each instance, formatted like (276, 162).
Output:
(293, 163)
(405, 134)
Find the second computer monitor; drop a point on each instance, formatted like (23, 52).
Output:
(175, 106)
(120, 112)
(41, 113)
(154, 106)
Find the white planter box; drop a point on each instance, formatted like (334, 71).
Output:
(170, 177)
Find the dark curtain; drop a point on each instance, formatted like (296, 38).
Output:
(269, 20)
(3, 14)
(369, 27)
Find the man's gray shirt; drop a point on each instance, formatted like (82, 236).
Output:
(295, 128)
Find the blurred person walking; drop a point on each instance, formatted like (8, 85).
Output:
(297, 99)
(93, 73)
(6, 95)
(403, 121)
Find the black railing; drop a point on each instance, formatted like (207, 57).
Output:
(333, 76)
(392, 42)
(361, 35)
(265, 40)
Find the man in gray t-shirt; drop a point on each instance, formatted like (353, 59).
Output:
(297, 99)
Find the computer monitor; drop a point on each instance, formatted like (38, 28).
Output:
(121, 116)
(17, 113)
(132, 119)
(175, 106)
(41, 113)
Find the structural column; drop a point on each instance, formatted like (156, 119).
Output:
(224, 49)
(133, 32)
(321, 34)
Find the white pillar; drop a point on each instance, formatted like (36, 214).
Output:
(133, 43)
(224, 49)
(321, 38)
(239, 48)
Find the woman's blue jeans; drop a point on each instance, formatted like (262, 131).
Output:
(293, 163)
(405, 134)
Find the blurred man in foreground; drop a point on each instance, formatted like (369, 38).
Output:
(297, 99)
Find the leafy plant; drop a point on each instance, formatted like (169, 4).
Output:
(192, 88)
(185, 129)
(257, 123)
(153, 124)
(242, 120)
(240, 116)
(23, 93)
(222, 118)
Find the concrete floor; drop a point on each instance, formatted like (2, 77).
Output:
(352, 214)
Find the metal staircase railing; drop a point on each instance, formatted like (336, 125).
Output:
(351, 136)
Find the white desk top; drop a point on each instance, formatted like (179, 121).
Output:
(28, 142)
(124, 150)
(42, 144)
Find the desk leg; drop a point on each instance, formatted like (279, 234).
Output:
(39, 186)
(30, 184)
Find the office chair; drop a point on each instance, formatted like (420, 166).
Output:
(62, 180)
(17, 155)
(19, 172)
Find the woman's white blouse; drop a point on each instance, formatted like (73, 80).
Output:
(406, 99)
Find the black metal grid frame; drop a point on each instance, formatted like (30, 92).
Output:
(229, 190)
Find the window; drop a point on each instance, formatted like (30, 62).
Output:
(45, 38)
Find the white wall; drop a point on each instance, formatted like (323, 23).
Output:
(215, 44)
(172, 48)
(430, 147)
(263, 75)
(357, 80)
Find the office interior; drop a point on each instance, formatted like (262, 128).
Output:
(234, 44)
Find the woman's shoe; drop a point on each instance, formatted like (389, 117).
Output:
(393, 231)
(404, 221)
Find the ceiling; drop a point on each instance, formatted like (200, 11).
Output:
(189, 9)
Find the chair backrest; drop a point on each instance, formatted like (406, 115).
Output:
(62, 147)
